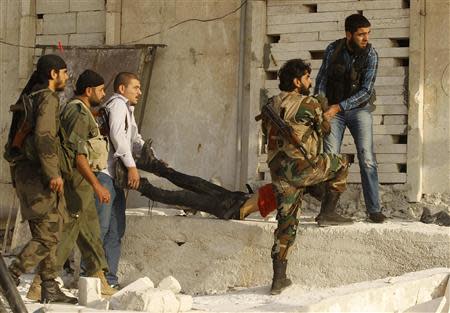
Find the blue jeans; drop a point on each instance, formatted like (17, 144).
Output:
(112, 224)
(359, 122)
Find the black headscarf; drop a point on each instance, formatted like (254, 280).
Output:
(88, 78)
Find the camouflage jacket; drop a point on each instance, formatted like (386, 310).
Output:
(304, 115)
(44, 144)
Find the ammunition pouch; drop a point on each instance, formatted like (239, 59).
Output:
(98, 149)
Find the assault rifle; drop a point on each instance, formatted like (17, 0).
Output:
(286, 131)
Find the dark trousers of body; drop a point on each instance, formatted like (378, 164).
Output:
(197, 193)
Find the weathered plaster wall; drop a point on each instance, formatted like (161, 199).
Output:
(191, 112)
(436, 93)
(17, 24)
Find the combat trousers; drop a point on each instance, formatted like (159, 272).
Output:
(83, 227)
(45, 212)
(289, 178)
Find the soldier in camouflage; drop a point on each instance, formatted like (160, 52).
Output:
(89, 153)
(292, 172)
(38, 180)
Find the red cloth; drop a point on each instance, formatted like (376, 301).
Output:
(267, 201)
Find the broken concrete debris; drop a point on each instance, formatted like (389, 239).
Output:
(142, 296)
(89, 290)
(170, 283)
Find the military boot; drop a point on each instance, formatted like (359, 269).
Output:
(50, 293)
(34, 293)
(106, 289)
(148, 161)
(316, 191)
(280, 281)
(328, 215)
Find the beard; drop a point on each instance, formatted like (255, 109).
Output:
(59, 85)
(305, 91)
(95, 102)
(355, 48)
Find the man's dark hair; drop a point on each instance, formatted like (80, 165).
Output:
(123, 78)
(294, 68)
(88, 78)
(39, 78)
(355, 21)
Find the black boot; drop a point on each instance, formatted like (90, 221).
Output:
(328, 215)
(50, 293)
(280, 281)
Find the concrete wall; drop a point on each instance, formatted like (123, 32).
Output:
(436, 117)
(429, 101)
(17, 28)
(191, 112)
(71, 22)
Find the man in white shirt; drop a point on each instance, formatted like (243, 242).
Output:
(125, 144)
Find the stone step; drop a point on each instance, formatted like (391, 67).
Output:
(212, 256)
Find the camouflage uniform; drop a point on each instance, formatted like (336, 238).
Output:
(289, 169)
(83, 227)
(44, 209)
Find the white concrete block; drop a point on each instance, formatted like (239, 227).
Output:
(87, 5)
(392, 71)
(390, 100)
(299, 46)
(389, 81)
(93, 39)
(381, 14)
(89, 290)
(64, 23)
(301, 28)
(391, 109)
(299, 37)
(52, 39)
(387, 178)
(185, 301)
(170, 283)
(148, 300)
(359, 5)
(395, 120)
(390, 90)
(398, 52)
(52, 6)
(287, 9)
(375, 33)
(139, 284)
(91, 22)
(308, 17)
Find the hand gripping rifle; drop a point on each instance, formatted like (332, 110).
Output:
(286, 131)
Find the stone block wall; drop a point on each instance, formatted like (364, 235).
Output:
(70, 22)
(303, 29)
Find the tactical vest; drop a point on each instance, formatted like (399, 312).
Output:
(287, 104)
(342, 81)
(97, 146)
